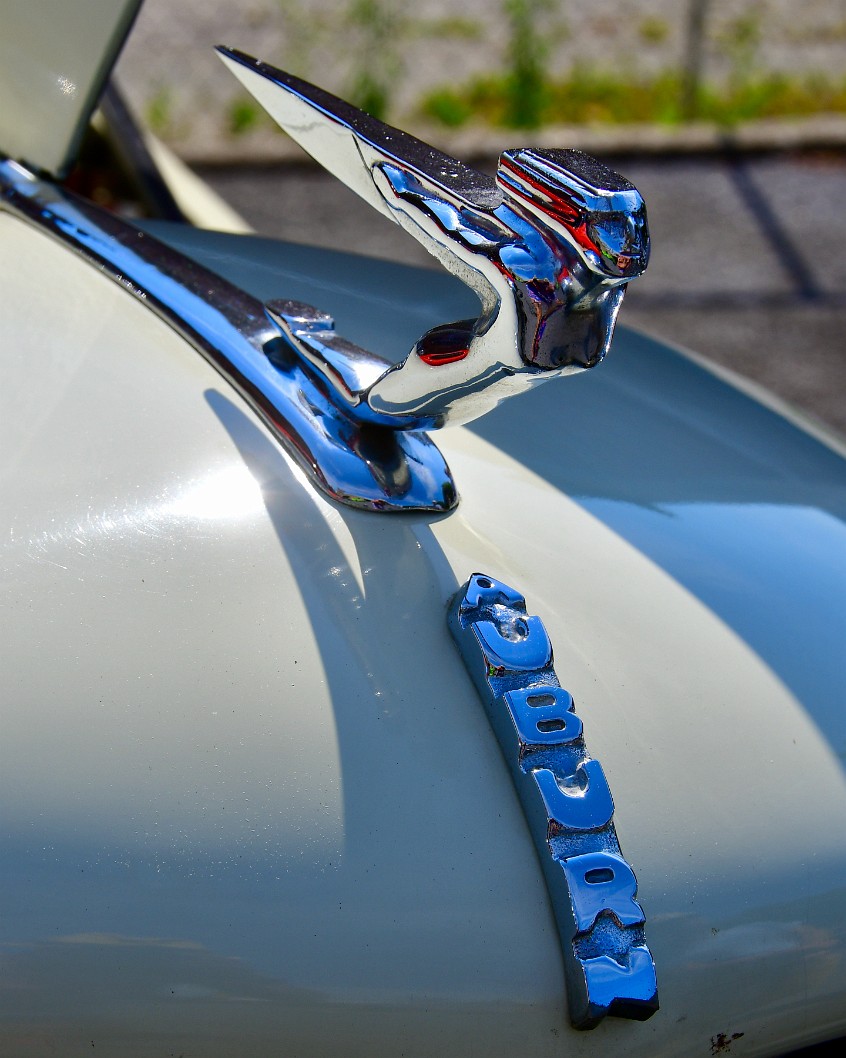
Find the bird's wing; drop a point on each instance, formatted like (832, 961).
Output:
(349, 143)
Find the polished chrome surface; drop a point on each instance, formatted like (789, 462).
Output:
(347, 367)
(548, 247)
(608, 967)
(353, 462)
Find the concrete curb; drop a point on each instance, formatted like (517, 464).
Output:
(824, 132)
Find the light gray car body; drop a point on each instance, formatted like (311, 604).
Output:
(251, 803)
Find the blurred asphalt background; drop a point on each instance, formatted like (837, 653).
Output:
(748, 260)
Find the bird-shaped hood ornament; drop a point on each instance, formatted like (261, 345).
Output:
(548, 246)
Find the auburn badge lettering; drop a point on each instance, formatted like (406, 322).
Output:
(567, 801)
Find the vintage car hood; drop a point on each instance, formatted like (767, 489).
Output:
(251, 801)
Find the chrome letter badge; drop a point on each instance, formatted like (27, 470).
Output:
(568, 805)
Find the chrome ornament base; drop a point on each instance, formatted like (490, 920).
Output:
(567, 802)
(353, 461)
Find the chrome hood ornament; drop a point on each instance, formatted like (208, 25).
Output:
(548, 246)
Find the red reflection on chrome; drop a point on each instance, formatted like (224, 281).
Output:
(439, 357)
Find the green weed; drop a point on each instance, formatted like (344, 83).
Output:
(244, 114)
(526, 80)
(653, 30)
(376, 29)
(590, 96)
(159, 111)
